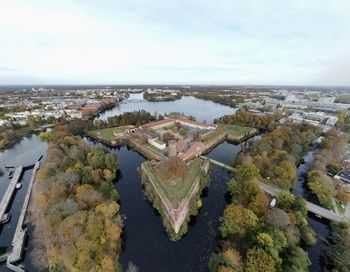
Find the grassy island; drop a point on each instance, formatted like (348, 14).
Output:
(237, 133)
(112, 135)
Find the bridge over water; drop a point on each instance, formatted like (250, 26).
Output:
(273, 190)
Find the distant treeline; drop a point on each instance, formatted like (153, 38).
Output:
(245, 118)
(136, 118)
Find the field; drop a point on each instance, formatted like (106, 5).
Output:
(175, 189)
(108, 133)
(237, 131)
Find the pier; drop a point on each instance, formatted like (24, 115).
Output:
(9, 191)
(273, 191)
(19, 238)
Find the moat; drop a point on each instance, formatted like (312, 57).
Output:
(145, 242)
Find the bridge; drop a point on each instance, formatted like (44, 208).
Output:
(9, 191)
(273, 191)
(217, 163)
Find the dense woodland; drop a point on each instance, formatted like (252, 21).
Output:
(328, 162)
(278, 152)
(337, 254)
(255, 238)
(80, 126)
(161, 96)
(223, 98)
(245, 118)
(75, 209)
(135, 118)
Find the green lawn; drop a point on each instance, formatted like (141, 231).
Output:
(175, 189)
(236, 130)
(107, 133)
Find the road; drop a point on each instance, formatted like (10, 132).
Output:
(272, 190)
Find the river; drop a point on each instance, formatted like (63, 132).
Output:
(145, 242)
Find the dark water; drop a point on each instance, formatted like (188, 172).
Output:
(145, 242)
(320, 226)
(25, 152)
(203, 110)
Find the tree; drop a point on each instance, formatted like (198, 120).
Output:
(229, 260)
(322, 186)
(337, 254)
(259, 261)
(259, 204)
(285, 200)
(237, 220)
(296, 259)
(168, 136)
(195, 135)
(246, 171)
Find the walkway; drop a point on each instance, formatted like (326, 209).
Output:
(217, 163)
(272, 190)
(10, 189)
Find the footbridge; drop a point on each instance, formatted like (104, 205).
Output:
(217, 163)
(273, 191)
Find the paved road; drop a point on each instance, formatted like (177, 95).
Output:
(272, 190)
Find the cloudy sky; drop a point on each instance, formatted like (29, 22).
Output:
(175, 42)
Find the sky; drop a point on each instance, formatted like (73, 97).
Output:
(285, 42)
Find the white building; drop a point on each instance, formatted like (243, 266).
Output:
(157, 143)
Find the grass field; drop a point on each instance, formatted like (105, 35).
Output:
(175, 189)
(236, 130)
(108, 133)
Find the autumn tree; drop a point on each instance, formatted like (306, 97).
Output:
(237, 220)
(259, 261)
(168, 136)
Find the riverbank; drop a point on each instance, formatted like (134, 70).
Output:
(18, 135)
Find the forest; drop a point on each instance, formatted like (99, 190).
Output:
(255, 238)
(245, 118)
(328, 162)
(136, 118)
(223, 98)
(278, 152)
(75, 207)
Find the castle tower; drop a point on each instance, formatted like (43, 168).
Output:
(172, 148)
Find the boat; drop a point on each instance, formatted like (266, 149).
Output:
(5, 218)
(10, 174)
(40, 158)
(18, 185)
